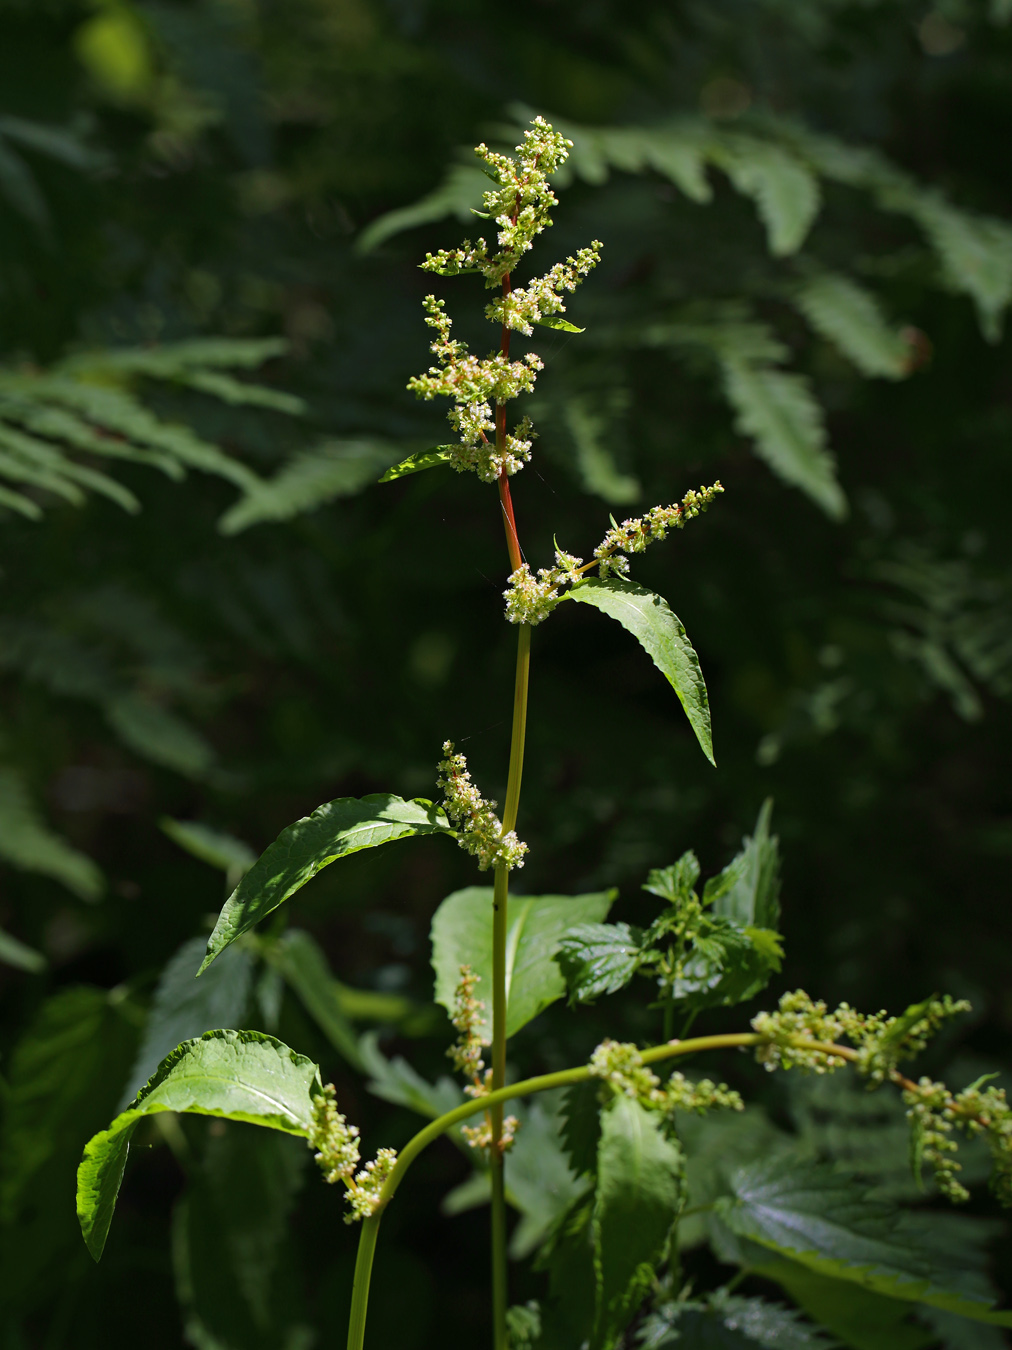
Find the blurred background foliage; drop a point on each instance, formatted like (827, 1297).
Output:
(211, 213)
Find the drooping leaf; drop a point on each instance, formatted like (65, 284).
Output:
(241, 1075)
(599, 958)
(640, 1190)
(235, 1264)
(20, 955)
(334, 830)
(421, 459)
(184, 1007)
(28, 842)
(158, 734)
(304, 967)
(747, 891)
(776, 408)
(460, 190)
(850, 317)
(212, 846)
(598, 469)
(660, 632)
(395, 1080)
(311, 478)
(462, 935)
(812, 1215)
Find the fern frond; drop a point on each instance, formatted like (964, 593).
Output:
(27, 842)
(456, 196)
(315, 476)
(784, 189)
(850, 317)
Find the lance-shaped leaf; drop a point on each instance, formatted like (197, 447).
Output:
(659, 630)
(333, 831)
(302, 964)
(241, 1075)
(421, 459)
(462, 936)
(599, 958)
(813, 1215)
(639, 1193)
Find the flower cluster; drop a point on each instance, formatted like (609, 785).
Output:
(934, 1112)
(480, 1136)
(466, 1018)
(337, 1152)
(475, 385)
(481, 831)
(621, 1066)
(520, 309)
(364, 1194)
(633, 535)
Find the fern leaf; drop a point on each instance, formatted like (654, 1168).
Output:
(58, 424)
(597, 467)
(330, 469)
(28, 842)
(975, 253)
(59, 473)
(20, 465)
(850, 317)
(236, 392)
(458, 193)
(173, 358)
(785, 190)
(24, 506)
(777, 409)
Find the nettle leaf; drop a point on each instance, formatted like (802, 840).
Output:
(184, 1007)
(777, 409)
(814, 1216)
(241, 1075)
(659, 630)
(395, 1080)
(581, 1125)
(640, 1190)
(747, 891)
(599, 958)
(236, 1270)
(558, 322)
(333, 831)
(300, 960)
(850, 317)
(677, 882)
(536, 925)
(421, 459)
(725, 1322)
(727, 964)
(539, 1180)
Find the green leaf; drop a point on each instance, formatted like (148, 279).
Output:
(557, 321)
(850, 317)
(159, 735)
(677, 882)
(662, 636)
(310, 479)
(304, 967)
(777, 409)
(462, 935)
(729, 1323)
(395, 1080)
(727, 964)
(599, 958)
(581, 1125)
(456, 195)
(18, 186)
(639, 1194)
(27, 842)
(22, 957)
(747, 891)
(812, 1215)
(421, 459)
(539, 1180)
(235, 1266)
(212, 846)
(241, 1075)
(333, 831)
(784, 189)
(184, 1007)
(589, 429)
(975, 251)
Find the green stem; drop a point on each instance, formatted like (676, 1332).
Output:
(363, 1274)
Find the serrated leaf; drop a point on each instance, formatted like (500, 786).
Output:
(677, 882)
(539, 1180)
(27, 842)
(785, 191)
(334, 830)
(777, 409)
(421, 459)
(599, 958)
(184, 1007)
(640, 1190)
(395, 1080)
(310, 479)
(747, 891)
(235, 1268)
(304, 967)
(976, 255)
(558, 322)
(850, 317)
(659, 631)
(20, 955)
(812, 1215)
(581, 1125)
(462, 935)
(239, 1075)
(729, 1323)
